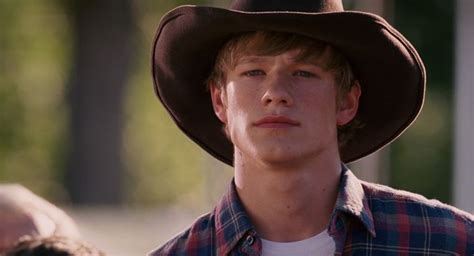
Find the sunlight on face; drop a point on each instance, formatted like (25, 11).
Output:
(278, 109)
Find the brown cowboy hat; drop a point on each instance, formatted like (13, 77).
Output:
(389, 69)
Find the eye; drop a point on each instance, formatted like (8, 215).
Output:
(303, 73)
(255, 72)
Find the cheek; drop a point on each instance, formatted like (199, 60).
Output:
(242, 98)
(242, 106)
(320, 106)
(323, 98)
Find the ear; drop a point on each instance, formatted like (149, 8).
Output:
(348, 105)
(219, 102)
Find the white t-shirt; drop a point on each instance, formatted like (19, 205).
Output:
(320, 244)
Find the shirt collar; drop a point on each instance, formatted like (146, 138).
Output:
(352, 201)
(233, 223)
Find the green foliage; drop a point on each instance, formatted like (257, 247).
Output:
(421, 158)
(162, 163)
(34, 48)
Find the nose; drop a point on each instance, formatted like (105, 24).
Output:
(277, 91)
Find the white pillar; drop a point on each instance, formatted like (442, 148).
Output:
(463, 185)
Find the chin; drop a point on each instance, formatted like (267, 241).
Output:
(278, 155)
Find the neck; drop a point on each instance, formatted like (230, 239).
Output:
(288, 202)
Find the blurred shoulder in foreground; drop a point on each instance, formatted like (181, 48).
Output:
(24, 213)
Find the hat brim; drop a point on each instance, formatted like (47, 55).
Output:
(389, 69)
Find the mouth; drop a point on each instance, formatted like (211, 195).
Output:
(276, 122)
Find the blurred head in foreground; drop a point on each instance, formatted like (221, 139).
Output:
(52, 246)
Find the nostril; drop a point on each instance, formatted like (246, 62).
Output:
(270, 100)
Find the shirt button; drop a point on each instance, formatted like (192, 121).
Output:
(250, 240)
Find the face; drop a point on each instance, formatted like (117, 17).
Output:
(280, 110)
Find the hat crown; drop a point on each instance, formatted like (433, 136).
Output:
(313, 6)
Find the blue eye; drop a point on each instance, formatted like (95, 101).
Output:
(303, 73)
(256, 72)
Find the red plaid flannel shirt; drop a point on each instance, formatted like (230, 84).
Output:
(368, 219)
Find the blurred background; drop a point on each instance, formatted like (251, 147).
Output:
(80, 124)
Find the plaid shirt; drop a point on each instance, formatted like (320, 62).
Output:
(368, 219)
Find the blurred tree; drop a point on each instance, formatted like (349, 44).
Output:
(102, 58)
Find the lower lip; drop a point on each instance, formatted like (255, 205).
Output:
(276, 125)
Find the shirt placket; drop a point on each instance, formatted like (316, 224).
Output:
(338, 230)
(250, 246)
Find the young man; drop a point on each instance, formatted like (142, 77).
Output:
(294, 90)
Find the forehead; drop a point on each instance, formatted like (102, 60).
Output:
(292, 56)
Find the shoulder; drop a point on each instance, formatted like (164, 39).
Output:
(428, 221)
(386, 197)
(198, 239)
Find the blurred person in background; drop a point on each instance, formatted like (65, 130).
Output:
(296, 89)
(52, 246)
(24, 213)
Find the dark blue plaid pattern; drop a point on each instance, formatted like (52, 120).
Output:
(368, 219)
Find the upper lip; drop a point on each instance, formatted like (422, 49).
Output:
(276, 119)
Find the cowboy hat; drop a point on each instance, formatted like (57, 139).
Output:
(388, 68)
